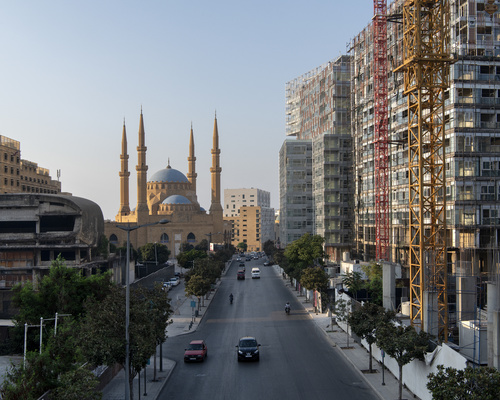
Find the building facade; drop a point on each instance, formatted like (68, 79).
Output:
(472, 114)
(296, 200)
(37, 228)
(251, 216)
(316, 182)
(171, 195)
(23, 176)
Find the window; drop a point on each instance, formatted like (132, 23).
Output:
(191, 238)
(113, 239)
(164, 238)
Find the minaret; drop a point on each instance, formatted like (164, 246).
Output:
(124, 177)
(192, 162)
(142, 169)
(215, 173)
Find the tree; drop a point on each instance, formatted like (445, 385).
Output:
(482, 383)
(242, 247)
(302, 253)
(103, 329)
(341, 309)
(154, 252)
(197, 286)
(374, 283)
(63, 290)
(354, 282)
(102, 246)
(79, 384)
(365, 322)
(202, 246)
(186, 247)
(269, 248)
(402, 343)
(186, 258)
(314, 278)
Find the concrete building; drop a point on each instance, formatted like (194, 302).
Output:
(251, 216)
(171, 195)
(36, 228)
(472, 154)
(316, 184)
(22, 176)
(296, 201)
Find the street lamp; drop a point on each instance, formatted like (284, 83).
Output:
(129, 229)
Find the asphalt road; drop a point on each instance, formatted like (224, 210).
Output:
(296, 359)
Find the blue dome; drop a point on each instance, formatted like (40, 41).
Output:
(176, 199)
(168, 175)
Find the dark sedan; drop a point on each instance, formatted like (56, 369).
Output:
(248, 349)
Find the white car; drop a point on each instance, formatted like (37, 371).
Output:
(175, 281)
(255, 273)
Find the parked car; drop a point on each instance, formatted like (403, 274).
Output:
(240, 274)
(175, 281)
(196, 351)
(167, 285)
(255, 273)
(248, 349)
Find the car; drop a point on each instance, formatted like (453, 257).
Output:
(267, 264)
(167, 285)
(255, 273)
(175, 281)
(240, 274)
(248, 259)
(238, 259)
(248, 349)
(196, 351)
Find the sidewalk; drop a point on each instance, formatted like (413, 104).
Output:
(181, 321)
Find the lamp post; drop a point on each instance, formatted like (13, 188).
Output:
(129, 229)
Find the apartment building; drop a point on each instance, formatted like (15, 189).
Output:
(252, 218)
(22, 176)
(316, 169)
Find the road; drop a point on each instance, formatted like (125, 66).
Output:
(296, 359)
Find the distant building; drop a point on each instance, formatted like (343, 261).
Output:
(296, 202)
(251, 217)
(22, 176)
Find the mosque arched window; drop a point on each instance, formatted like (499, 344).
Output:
(164, 238)
(113, 239)
(191, 238)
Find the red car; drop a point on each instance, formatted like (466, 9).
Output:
(240, 274)
(196, 351)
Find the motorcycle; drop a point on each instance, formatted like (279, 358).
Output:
(231, 299)
(287, 309)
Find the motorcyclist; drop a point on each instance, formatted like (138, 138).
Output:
(287, 307)
(231, 298)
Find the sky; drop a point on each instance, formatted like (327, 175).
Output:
(74, 71)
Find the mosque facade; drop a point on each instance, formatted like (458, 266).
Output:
(167, 195)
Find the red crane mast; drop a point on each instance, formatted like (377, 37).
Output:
(381, 133)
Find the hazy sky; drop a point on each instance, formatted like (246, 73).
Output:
(72, 71)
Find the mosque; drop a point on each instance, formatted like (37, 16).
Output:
(168, 195)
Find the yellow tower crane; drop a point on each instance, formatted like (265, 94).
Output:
(426, 64)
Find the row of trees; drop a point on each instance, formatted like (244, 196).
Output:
(203, 269)
(403, 343)
(91, 333)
